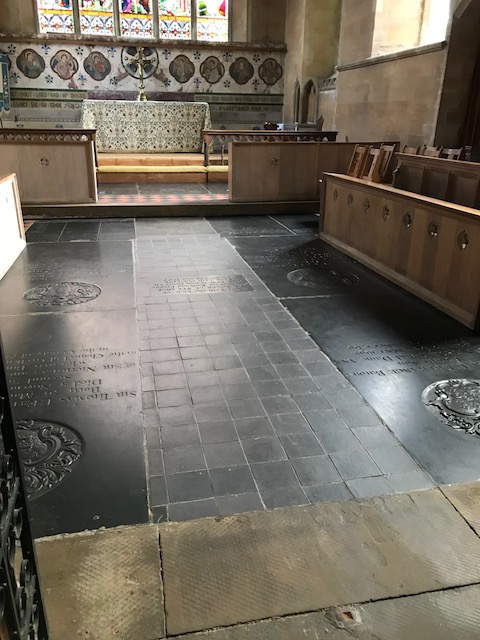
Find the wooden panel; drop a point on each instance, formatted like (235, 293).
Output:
(429, 247)
(50, 172)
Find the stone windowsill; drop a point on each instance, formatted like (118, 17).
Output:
(398, 55)
(155, 42)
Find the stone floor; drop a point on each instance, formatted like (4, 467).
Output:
(392, 568)
(260, 388)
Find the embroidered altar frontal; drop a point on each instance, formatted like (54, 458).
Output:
(146, 127)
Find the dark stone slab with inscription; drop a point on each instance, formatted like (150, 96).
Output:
(50, 277)
(298, 266)
(392, 347)
(248, 226)
(74, 387)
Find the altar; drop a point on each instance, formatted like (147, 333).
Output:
(146, 127)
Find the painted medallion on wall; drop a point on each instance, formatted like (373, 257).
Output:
(151, 61)
(181, 68)
(64, 64)
(97, 66)
(30, 63)
(241, 70)
(270, 71)
(212, 70)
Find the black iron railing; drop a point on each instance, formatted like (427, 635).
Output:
(22, 614)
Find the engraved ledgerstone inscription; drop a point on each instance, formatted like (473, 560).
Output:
(71, 376)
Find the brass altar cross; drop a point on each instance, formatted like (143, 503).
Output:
(139, 60)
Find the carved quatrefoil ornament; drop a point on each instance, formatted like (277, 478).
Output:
(456, 403)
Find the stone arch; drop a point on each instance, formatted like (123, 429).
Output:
(296, 101)
(310, 102)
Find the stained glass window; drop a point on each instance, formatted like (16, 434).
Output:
(175, 19)
(55, 16)
(212, 20)
(136, 19)
(96, 17)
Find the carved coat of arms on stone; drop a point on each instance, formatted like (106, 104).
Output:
(455, 402)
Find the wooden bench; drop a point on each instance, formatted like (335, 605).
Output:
(451, 180)
(425, 245)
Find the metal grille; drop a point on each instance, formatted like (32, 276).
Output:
(22, 612)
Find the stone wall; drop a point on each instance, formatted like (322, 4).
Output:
(396, 99)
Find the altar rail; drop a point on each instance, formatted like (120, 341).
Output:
(429, 247)
(225, 136)
(451, 180)
(52, 166)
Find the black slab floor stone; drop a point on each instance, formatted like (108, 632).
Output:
(81, 370)
(302, 267)
(304, 224)
(391, 347)
(248, 226)
(106, 265)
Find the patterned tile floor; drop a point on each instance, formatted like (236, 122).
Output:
(162, 193)
(242, 410)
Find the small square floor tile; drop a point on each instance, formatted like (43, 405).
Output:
(375, 437)
(176, 415)
(215, 412)
(279, 404)
(233, 376)
(315, 470)
(294, 370)
(182, 459)
(185, 487)
(333, 382)
(284, 498)
(254, 428)
(335, 440)
(301, 445)
(329, 418)
(232, 480)
(173, 398)
(345, 398)
(242, 409)
(158, 490)
(362, 416)
(198, 364)
(410, 481)
(203, 395)
(369, 487)
(170, 381)
(332, 492)
(202, 379)
(312, 401)
(224, 454)
(164, 355)
(189, 353)
(273, 476)
(393, 460)
(159, 514)
(155, 463)
(213, 432)
(262, 373)
(228, 505)
(184, 511)
(168, 367)
(300, 385)
(227, 362)
(355, 464)
(239, 391)
(290, 423)
(180, 435)
(266, 388)
(263, 450)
